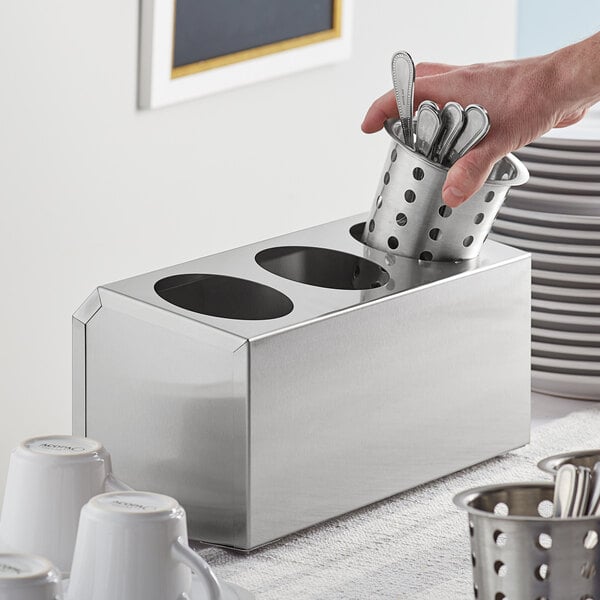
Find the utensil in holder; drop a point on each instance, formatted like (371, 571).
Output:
(409, 218)
(520, 552)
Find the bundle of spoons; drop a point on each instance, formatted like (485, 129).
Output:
(577, 491)
(442, 136)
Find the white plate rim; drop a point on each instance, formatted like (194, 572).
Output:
(550, 232)
(564, 350)
(559, 219)
(546, 247)
(560, 365)
(552, 171)
(575, 338)
(558, 156)
(575, 308)
(567, 385)
(583, 295)
(568, 186)
(560, 278)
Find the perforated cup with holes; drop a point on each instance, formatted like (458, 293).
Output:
(408, 216)
(519, 552)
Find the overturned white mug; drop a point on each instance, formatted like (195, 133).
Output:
(28, 577)
(49, 480)
(133, 545)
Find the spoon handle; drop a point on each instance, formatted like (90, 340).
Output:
(564, 491)
(403, 76)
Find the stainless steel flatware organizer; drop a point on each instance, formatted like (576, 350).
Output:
(280, 384)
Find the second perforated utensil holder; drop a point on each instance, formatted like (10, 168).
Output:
(520, 552)
(409, 218)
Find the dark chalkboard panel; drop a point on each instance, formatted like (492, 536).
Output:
(212, 33)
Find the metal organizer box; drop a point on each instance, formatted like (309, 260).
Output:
(274, 386)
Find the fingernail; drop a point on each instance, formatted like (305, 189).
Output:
(454, 196)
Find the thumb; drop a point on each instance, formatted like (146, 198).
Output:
(467, 175)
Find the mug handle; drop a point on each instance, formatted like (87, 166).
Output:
(112, 484)
(183, 553)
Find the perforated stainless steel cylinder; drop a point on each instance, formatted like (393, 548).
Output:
(409, 218)
(520, 552)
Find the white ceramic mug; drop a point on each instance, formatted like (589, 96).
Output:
(133, 545)
(28, 577)
(49, 481)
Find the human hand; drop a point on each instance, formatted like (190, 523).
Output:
(524, 99)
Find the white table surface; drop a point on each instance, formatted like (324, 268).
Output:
(549, 408)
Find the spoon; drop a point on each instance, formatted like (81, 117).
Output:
(453, 120)
(476, 127)
(582, 491)
(403, 76)
(594, 503)
(564, 491)
(428, 127)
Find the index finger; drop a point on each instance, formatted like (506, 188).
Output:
(383, 108)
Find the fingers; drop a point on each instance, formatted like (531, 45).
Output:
(572, 118)
(425, 69)
(383, 108)
(467, 175)
(439, 88)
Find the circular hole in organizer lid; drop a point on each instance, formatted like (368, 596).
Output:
(323, 267)
(223, 296)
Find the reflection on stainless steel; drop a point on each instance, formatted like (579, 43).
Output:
(221, 296)
(263, 427)
(323, 267)
(409, 218)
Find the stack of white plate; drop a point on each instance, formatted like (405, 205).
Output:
(556, 217)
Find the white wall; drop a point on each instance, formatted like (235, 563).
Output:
(93, 190)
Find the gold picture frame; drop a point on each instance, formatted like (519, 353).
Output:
(161, 83)
(271, 48)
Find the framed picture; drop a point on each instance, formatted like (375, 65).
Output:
(191, 48)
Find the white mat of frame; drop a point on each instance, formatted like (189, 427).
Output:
(413, 546)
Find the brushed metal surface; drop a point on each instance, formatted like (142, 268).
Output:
(520, 552)
(263, 427)
(90, 306)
